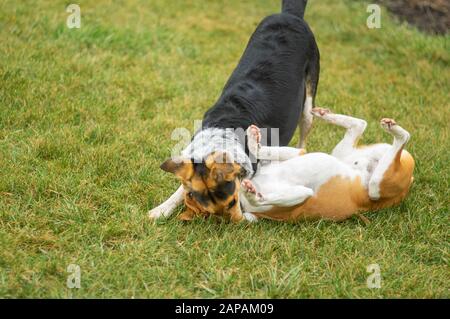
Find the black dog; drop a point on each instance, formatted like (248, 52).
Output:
(273, 86)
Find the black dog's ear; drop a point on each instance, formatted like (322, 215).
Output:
(181, 167)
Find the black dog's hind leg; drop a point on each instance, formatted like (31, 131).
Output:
(312, 80)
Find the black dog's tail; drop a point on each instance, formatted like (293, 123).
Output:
(294, 7)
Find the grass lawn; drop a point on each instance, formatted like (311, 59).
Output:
(86, 117)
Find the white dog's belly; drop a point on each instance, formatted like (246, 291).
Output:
(365, 159)
(311, 171)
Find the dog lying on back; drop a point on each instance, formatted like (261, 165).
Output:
(352, 180)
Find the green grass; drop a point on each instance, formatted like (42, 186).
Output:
(86, 117)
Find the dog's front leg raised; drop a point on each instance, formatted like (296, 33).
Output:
(168, 207)
(271, 153)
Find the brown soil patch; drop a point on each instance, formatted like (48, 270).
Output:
(432, 16)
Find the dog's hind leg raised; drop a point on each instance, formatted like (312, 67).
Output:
(355, 128)
(393, 175)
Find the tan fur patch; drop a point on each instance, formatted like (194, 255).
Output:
(182, 168)
(396, 181)
(221, 168)
(187, 215)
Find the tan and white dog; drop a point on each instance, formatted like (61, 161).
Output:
(352, 180)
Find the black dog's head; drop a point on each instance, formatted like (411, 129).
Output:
(212, 187)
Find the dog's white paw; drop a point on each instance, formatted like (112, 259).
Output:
(158, 212)
(390, 126)
(251, 192)
(250, 217)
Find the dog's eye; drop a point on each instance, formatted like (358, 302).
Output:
(190, 195)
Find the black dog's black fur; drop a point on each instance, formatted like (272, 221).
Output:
(278, 69)
(267, 88)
